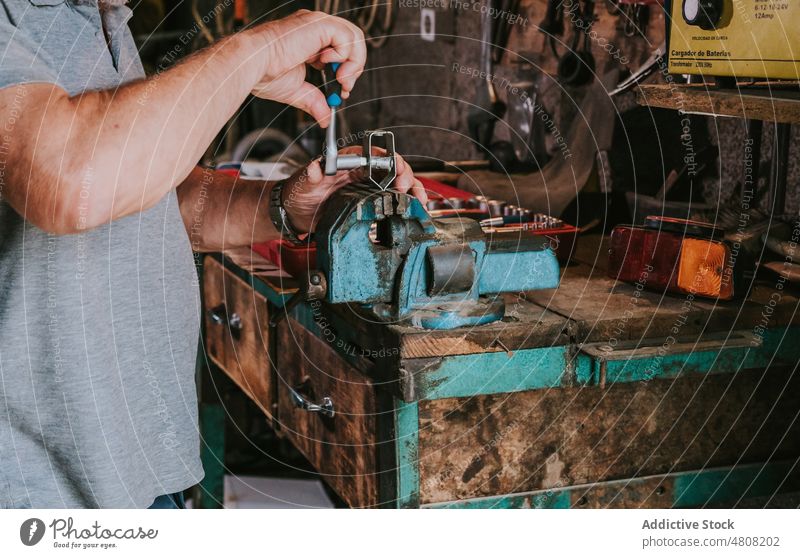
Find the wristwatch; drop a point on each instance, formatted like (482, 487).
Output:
(280, 218)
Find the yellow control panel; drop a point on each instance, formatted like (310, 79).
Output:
(735, 38)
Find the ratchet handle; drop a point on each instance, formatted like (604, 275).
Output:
(333, 89)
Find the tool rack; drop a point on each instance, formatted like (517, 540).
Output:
(594, 394)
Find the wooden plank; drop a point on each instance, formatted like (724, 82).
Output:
(775, 103)
(548, 439)
(342, 448)
(606, 310)
(714, 353)
(526, 325)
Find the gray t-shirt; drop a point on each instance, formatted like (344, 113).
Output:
(99, 330)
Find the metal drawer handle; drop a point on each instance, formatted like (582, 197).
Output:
(219, 315)
(325, 408)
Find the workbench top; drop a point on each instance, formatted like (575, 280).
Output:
(587, 307)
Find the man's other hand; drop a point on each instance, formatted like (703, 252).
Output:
(308, 188)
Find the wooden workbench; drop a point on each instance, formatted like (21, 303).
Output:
(593, 394)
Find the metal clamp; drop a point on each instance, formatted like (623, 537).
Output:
(381, 170)
(325, 408)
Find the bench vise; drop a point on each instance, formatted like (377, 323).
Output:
(382, 250)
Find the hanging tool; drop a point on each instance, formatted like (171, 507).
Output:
(649, 67)
(576, 66)
(502, 29)
(488, 109)
(381, 170)
(375, 18)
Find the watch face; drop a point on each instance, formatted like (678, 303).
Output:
(690, 10)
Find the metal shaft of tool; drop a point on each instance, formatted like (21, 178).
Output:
(350, 162)
(331, 149)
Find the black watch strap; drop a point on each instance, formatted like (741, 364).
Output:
(279, 216)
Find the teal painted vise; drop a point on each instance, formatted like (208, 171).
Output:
(383, 251)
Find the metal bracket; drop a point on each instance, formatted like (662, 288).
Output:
(381, 169)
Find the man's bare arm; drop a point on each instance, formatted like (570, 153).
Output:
(220, 211)
(78, 162)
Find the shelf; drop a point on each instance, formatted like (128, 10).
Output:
(762, 101)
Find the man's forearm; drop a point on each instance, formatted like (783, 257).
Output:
(120, 151)
(222, 212)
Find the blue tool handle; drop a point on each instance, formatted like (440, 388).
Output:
(333, 89)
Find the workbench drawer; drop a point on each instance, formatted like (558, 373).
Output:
(328, 410)
(237, 332)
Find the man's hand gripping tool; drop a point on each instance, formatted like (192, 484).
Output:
(381, 170)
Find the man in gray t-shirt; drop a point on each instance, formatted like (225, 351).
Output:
(99, 308)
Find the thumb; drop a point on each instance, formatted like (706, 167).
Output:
(311, 100)
(314, 172)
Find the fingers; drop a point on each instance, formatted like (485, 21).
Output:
(418, 191)
(353, 67)
(314, 172)
(311, 100)
(345, 43)
(405, 178)
(406, 183)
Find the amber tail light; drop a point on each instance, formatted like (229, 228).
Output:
(673, 255)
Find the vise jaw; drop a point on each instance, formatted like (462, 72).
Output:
(382, 250)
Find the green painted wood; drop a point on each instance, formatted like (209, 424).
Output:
(256, 284)
(539, 368)
(211, 490)
(487, 373)
(729, 485)
(658, 362)
(723, 486)
(406, 439)
(540, 500)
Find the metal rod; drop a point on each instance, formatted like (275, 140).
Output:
(331, 149)
(349, 162)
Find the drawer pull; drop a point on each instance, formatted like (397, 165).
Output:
(325, 408)
(219, 315)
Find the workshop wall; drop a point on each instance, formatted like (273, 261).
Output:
(423, 90)
(417, 88)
